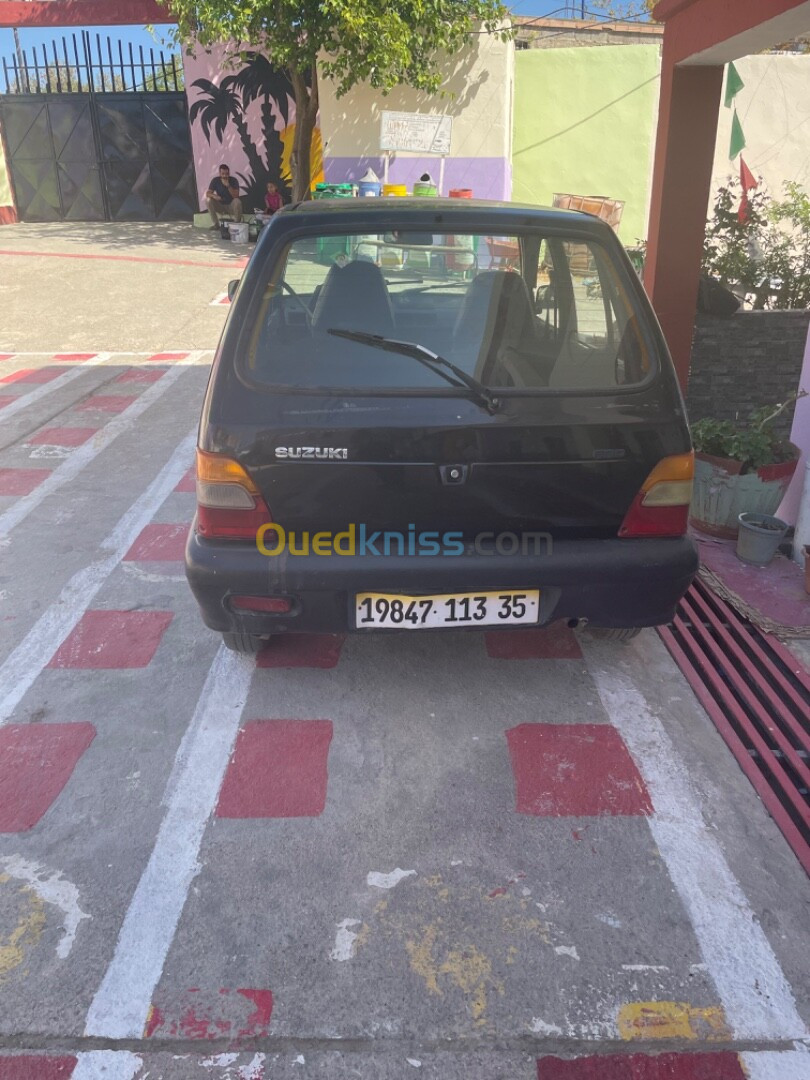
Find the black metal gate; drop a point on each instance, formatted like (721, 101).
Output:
(89, 140)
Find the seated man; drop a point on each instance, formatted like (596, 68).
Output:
(223, 194)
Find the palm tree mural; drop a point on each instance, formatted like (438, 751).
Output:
(218, 106)
(259, 80)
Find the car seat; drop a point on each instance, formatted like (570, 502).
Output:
(497, 327)
(354, 297)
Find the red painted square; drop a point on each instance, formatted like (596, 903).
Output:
(36, 1067)
(6, 400)
(70, 357)
(189, 480)
(36, 761)
(723, 1065)
(21, 481)
(33, 375)
(159, 543)
(200, 1013)
(141, 375)
(62, 436)
(107, 403)
(574, 770)
(278, 770)
(7, 355)
(162, 357)
(302, 650)
(112, 639)
(555, 642)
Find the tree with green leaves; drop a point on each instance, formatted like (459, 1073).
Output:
(385, 43)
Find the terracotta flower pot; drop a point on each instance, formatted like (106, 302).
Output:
(722, 492)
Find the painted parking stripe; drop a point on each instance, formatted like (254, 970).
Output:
(199, 1014)
(574, 770)
(36, 761)
(5, 401)
(111, 403)
(167, 357)
(756, 997)
(112, 640)
(278, 770)
(776, 1065)
(62, 436)
(723, 1065)
(121, 1006)
(37, 1067)
(159, 543)
(33, 375)
(7, 355)
(21, 481)
(302, 650)
(24, 664)
(139, 375)
(83, 455)
(106, 1065)
(556, 642)
(74, 357)
(189, 480)
(55, 383)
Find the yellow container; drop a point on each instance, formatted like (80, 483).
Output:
(395, 189)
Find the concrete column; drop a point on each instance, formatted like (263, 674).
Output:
(684, 152)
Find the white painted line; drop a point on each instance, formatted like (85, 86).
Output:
(43, 389)
(756, 997)
(83, 455)
(24, 664)
(106, 1065)
(773, 1065)
(121, 1005)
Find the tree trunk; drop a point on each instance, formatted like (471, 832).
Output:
(306, 113)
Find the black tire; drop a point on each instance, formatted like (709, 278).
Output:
(616, 633)
(245, 644)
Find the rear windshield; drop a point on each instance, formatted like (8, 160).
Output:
(516, 313)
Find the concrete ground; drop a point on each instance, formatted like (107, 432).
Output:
(452, 856)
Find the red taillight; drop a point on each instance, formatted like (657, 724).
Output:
(276, 605)
(661, 508)
(229, 505)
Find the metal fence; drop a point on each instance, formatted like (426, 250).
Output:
(79, 64)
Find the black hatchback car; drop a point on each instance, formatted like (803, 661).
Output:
(435, 413)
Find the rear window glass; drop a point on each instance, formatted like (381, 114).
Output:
(519, 314)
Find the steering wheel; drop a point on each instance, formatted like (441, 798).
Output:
(298, 301)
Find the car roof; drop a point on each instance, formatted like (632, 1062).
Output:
(416, 211)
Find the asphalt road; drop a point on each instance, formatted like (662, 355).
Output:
(463, 855)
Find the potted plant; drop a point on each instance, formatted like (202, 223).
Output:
(739, 468)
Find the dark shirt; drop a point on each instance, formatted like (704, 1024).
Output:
(222, 189)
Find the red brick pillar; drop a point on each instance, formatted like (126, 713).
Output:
(684, 152)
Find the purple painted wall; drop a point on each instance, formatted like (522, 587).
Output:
(489, 178)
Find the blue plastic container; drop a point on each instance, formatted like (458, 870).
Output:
(369, 188)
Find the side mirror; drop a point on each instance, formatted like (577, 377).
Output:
(232, 287)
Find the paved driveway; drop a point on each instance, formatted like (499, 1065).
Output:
(515, 855)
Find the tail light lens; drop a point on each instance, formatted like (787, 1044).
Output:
(661, 507)
(229, 505)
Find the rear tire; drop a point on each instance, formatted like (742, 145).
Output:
(244, 644)
(616, 633)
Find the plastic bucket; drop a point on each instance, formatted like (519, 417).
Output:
(422, 188)
(239, 232)
(759, 538)
(461, 193)
(395, 189)
(366, 188)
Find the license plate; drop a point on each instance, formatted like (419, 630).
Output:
(503, 608)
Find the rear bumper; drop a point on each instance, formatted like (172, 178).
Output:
(616, 583)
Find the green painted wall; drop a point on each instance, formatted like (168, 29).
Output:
(585, 124)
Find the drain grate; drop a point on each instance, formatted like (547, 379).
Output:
(758, 695)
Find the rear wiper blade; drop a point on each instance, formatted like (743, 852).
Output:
(431, 360)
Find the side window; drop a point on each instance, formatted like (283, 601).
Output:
(599, 338)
